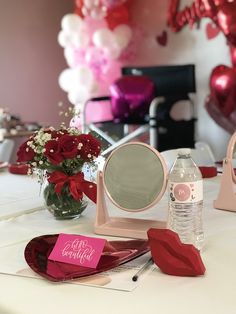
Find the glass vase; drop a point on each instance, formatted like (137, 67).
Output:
(63, 206)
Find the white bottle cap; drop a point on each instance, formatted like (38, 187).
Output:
(184, 151)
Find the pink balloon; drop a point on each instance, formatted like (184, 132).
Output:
(113, 70)
(79, 56)
(96, 60)
(93, 25)
(111, 73)
(74, 57)
(110, 4)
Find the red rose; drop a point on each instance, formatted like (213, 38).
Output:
(68, 145)
(25, 153)
(53, 152)
(90, 146)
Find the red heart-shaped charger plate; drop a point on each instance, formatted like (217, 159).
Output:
(114, 254)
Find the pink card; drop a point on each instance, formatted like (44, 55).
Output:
(78, 250)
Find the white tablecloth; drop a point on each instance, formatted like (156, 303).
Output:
(157, 293)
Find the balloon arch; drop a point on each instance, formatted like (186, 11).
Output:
(95, 38)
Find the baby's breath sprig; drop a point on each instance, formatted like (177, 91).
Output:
(68, 112)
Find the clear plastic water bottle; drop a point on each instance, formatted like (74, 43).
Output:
(186, 199)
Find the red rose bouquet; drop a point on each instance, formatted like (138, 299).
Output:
(61, 155)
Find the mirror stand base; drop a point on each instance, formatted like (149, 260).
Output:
(128, 227)
(226, 199)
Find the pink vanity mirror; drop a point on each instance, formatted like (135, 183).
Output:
(226, 199)
(133, 180)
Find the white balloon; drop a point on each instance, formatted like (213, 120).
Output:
(113, 42)
(66, 79)
(98, 13)
(89, 3)
(77, 96)
(80, 39)
(124, 30)
(79, 83)
(85, 11)
(84, 76)
(94, 88)
(113, 52)
(123, 35)
(71, 23)
(102, 37)
(64, 39)
(69, 56)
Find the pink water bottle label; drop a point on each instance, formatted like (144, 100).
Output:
(186, 192)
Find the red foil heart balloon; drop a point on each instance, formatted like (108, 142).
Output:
(226, 20)
(223, 88)
(221, 103)
(227, 123)
(233, 55)
(172, 256)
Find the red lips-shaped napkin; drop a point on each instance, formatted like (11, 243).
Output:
(172, 256)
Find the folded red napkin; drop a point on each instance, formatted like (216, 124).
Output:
(18, 168)
(208, 172)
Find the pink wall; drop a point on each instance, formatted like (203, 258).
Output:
(31, 59)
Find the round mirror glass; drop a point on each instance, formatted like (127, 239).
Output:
(135, 176)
